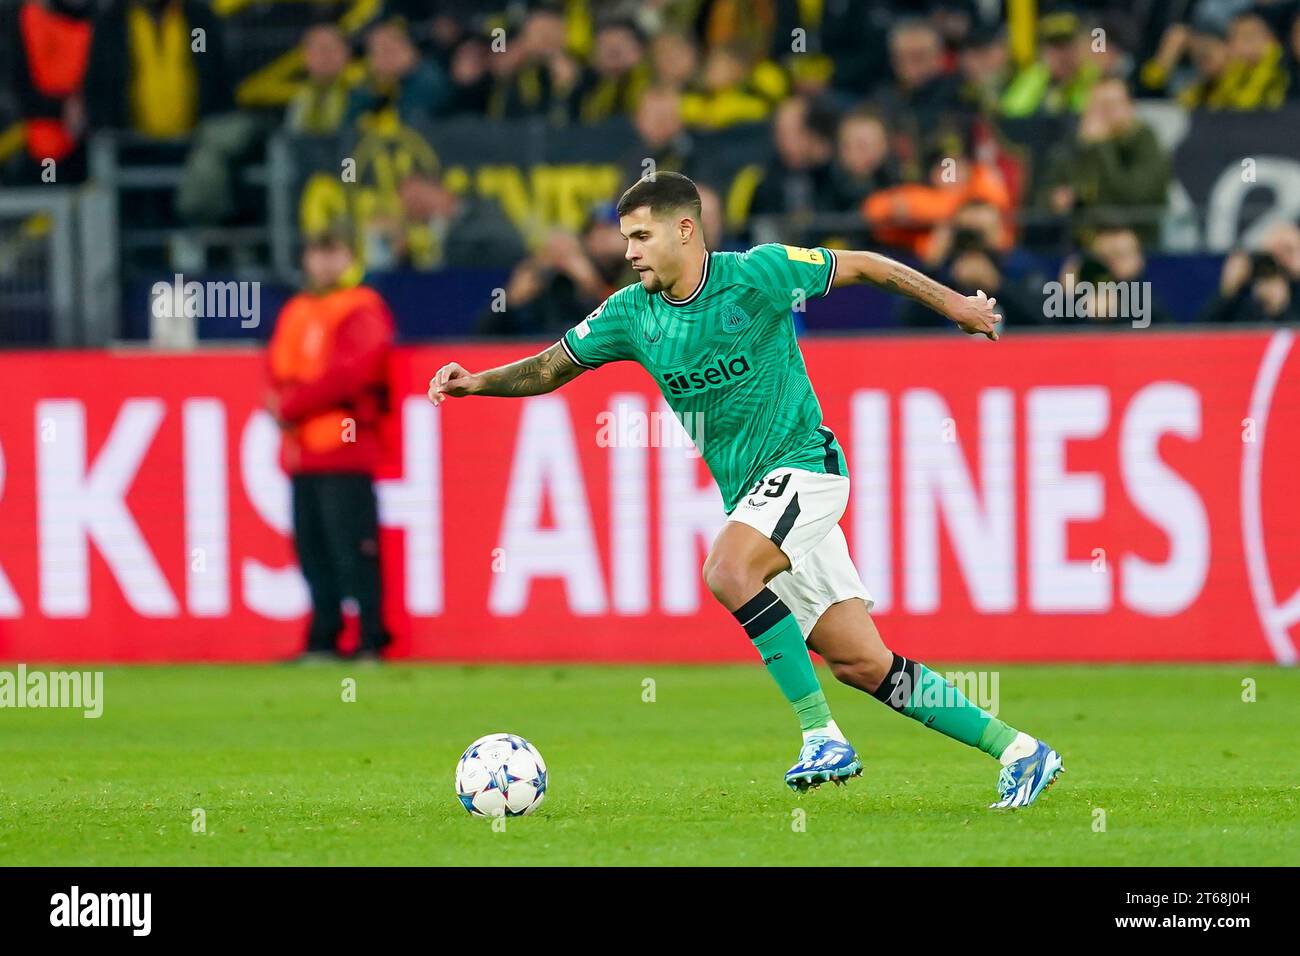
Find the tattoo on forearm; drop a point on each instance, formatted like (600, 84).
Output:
(911, 283)
(535, 375)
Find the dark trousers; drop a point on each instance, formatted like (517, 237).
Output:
(336, 534)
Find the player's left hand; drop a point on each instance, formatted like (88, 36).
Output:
(976, 316)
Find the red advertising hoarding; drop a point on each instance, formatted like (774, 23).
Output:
(1092, 497)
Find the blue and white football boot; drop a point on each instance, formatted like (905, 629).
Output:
(823, 758)
(1022, 780)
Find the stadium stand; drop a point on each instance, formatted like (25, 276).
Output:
(144, 138)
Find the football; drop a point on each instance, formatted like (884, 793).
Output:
(501, 774)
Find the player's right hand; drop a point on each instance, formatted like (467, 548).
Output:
(452, 381)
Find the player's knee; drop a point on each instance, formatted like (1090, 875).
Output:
(730, 582)
(864, 673)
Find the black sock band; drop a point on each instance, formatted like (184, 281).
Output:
(760, 612)
(896, 689)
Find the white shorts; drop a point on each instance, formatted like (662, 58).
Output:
(800, 511)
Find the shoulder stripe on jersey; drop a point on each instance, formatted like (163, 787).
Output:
(704, 277)
(577, 361)
(830, 280)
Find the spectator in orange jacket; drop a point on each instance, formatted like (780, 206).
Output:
(51, 49)
(905, 216)
(329, 391)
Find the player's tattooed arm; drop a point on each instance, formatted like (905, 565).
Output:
(972, 313)
(535, 375)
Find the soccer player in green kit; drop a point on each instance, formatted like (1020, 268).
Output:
(715, 331)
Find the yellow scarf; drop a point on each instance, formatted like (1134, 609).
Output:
(164, 83)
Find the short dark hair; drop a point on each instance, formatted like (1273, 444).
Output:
(664, 193)
(338, 231)
(822, 120)
(1264, 266)
(621, 23)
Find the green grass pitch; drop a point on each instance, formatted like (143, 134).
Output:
(286, 772)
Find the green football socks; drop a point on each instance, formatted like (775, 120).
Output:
(915, 691)
(910, 687)
(776, 635)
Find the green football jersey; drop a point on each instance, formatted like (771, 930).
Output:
(727, 361)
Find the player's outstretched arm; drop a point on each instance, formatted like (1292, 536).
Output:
(536, 375)
(973, 313)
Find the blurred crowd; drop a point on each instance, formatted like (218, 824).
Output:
(884, 118)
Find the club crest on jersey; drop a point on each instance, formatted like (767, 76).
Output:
(723, 371)
(734, 318)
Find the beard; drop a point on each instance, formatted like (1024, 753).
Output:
(651, 282)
